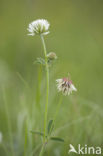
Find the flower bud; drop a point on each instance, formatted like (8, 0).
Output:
(51, 56)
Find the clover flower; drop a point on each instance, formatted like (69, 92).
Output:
(65, 85)
(39, 27)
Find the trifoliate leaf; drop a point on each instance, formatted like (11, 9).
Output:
(57, 139)
(40, 61)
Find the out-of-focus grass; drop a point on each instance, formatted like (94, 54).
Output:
(76, 37)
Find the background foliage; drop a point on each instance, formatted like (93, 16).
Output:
(76, 37)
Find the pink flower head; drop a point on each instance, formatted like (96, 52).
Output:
(65, 85)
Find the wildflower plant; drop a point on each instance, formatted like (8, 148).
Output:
(41, 27)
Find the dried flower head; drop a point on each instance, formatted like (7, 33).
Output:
(65, 85)
(38, 27)
(51, 56)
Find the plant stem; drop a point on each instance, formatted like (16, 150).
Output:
(56, 113)
(42, 150)
(47, 90)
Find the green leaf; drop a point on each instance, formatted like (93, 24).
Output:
(57, 139)
(39, 61)
(50, 126)
(38, 133)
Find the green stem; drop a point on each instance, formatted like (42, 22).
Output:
(56, 113)
(42, 150)
(47, 89)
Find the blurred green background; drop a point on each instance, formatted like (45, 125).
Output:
(76, 36)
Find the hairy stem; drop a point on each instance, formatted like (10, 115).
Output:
(47, 89)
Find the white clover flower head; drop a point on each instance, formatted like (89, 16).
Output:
(65, 85)
(1, 137)
(38, 27)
